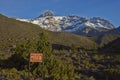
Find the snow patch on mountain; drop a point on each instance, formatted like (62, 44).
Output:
(24, 20)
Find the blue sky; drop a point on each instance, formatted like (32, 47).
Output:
(107, 9)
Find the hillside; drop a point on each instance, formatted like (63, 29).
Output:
(113, 46)
(106, 39)
(13, 32)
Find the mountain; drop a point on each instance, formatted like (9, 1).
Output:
(114, 31)
(71, 23)
(14, 32)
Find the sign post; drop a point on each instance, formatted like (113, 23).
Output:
(36, 57)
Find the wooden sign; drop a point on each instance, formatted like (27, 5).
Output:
(36, 57)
